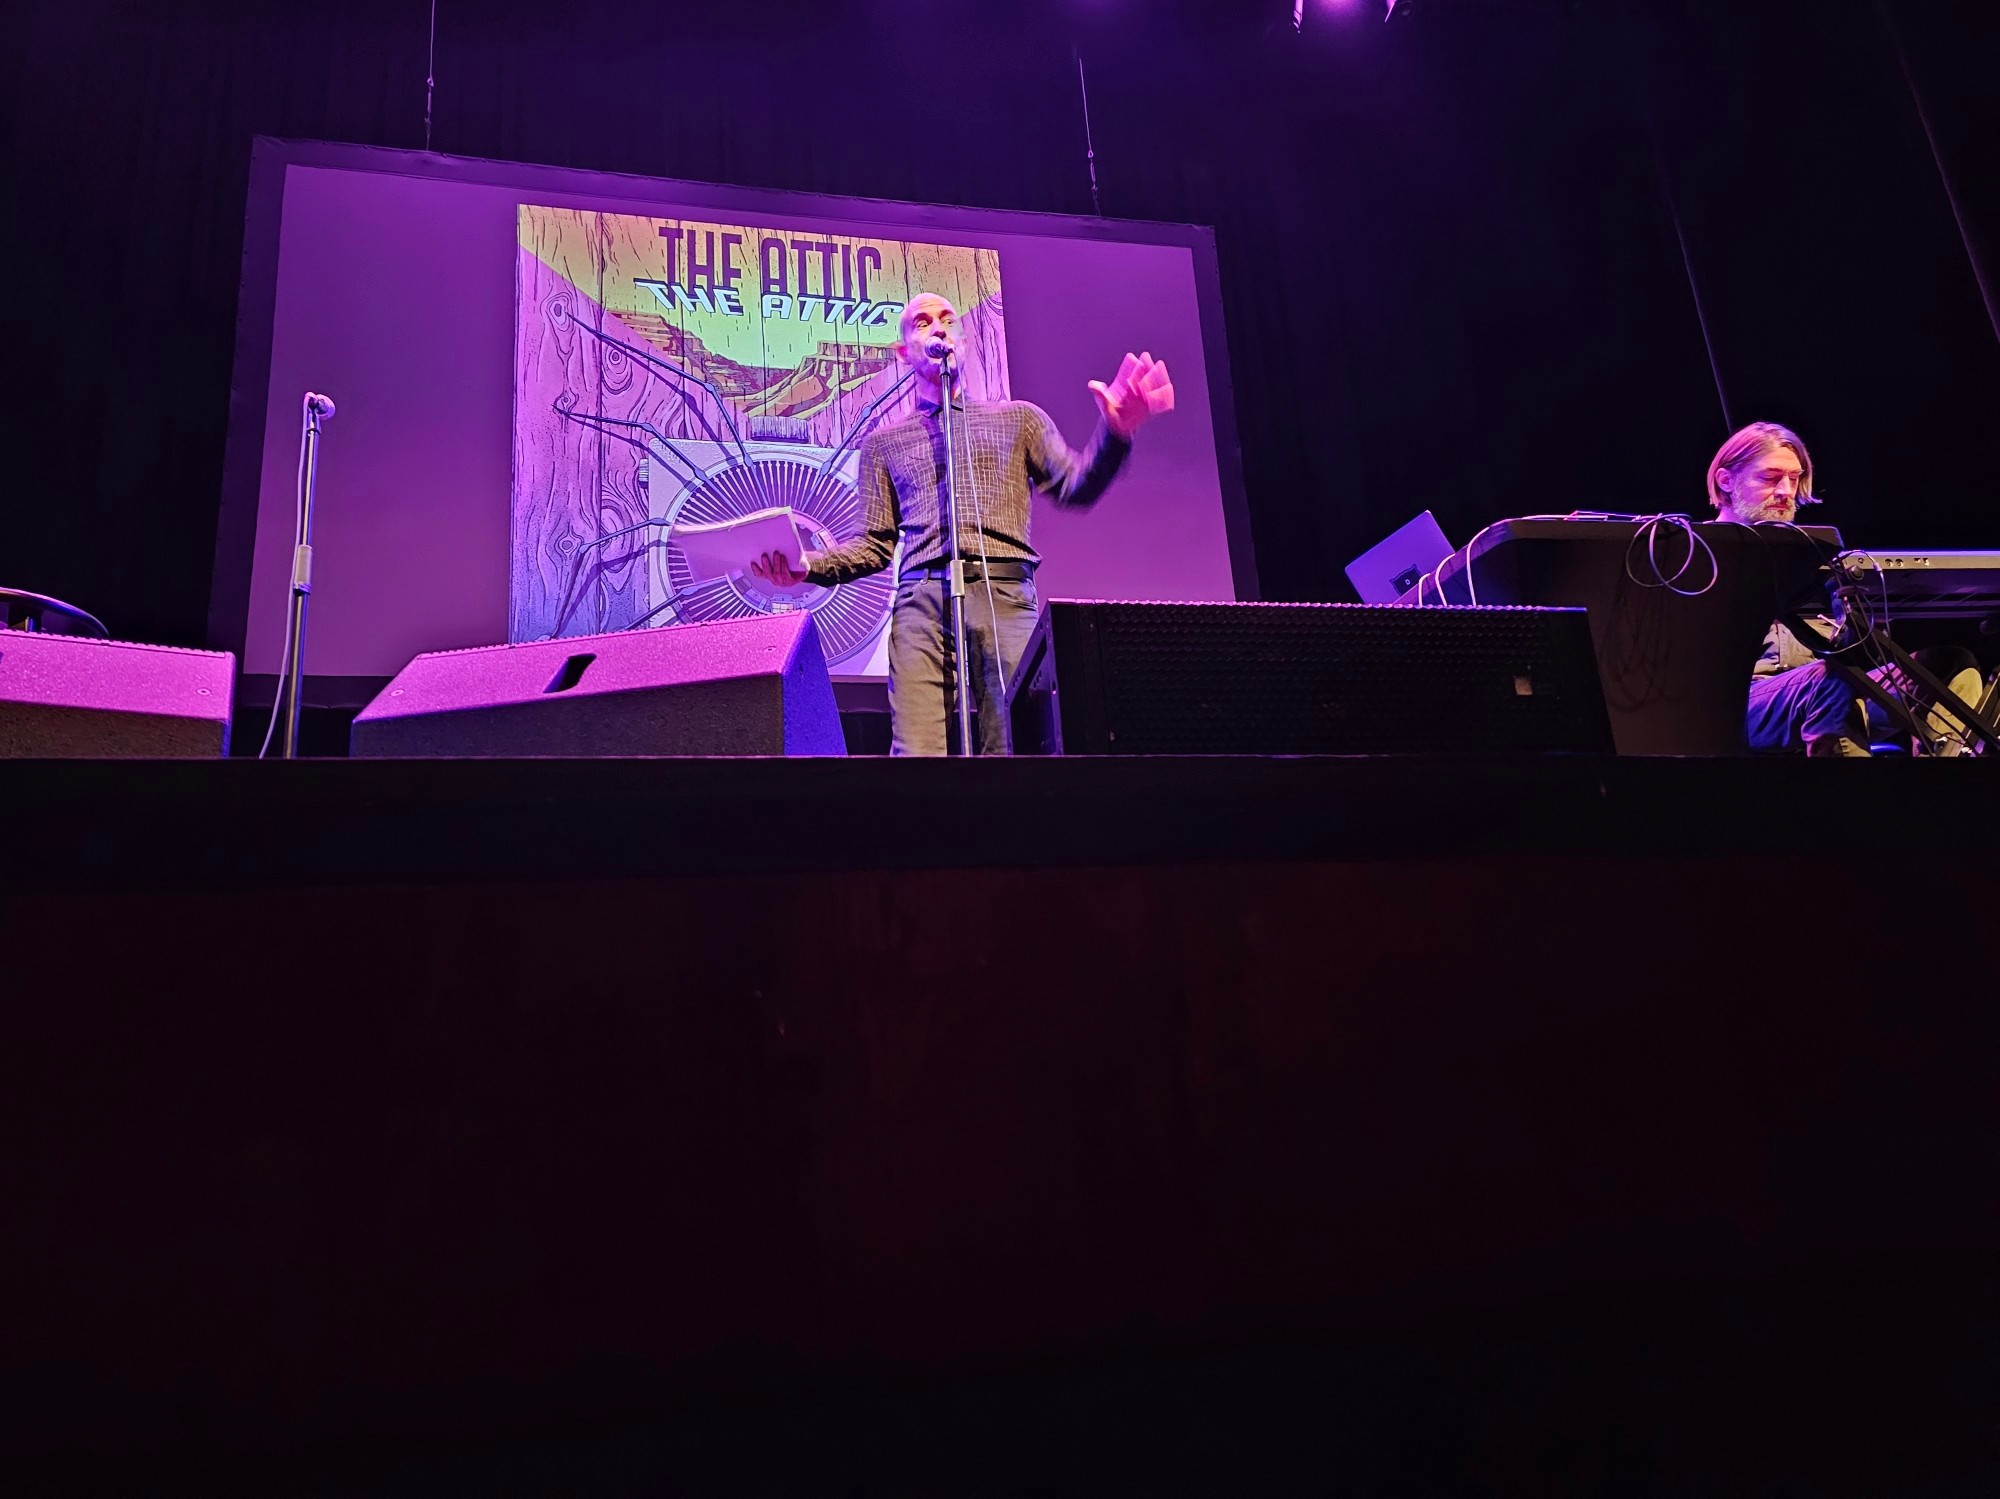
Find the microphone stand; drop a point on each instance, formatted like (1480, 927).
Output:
(957, 678)
(302, 581)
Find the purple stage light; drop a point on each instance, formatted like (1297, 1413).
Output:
(1330, 7)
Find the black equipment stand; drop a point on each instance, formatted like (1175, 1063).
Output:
(1876, 644)
(958, 684)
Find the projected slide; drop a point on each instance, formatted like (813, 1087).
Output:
(674, 370)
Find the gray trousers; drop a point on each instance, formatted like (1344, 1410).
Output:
(922, 720)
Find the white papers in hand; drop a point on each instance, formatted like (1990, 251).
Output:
(728, 547)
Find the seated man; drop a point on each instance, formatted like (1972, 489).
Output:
(1763, 474)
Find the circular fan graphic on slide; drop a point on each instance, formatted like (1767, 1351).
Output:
(849, 616)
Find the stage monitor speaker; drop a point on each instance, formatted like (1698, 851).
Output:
(741, 687)
(70, 697)
(1306, 679)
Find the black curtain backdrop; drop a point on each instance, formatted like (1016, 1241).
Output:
(1461, 251)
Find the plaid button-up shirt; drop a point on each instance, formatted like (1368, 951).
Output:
(1013, 449)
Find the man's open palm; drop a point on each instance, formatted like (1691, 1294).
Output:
(1140, 391)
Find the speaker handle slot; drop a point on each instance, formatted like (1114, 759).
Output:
(571, 672)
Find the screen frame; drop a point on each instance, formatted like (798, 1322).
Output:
(271, 158)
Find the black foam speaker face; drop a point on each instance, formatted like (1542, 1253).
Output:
(741, 687)
(1300, 679)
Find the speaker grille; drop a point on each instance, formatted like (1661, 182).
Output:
(1324, 679)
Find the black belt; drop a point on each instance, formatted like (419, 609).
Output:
(999, 572)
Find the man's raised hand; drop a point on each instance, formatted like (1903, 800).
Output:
(1140, 391)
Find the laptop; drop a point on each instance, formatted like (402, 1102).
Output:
(1390, 569)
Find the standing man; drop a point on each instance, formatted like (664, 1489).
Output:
(1005, 452)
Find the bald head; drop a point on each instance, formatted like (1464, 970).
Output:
(923, 312)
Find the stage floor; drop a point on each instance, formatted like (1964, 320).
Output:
(174, 822)
(352, 1108)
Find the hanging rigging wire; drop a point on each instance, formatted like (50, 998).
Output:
(430, 76)
(1944, 177)
(1089, 150)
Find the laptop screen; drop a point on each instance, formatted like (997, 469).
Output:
(1390, 568)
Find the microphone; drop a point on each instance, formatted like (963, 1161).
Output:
(318, 404)
(942, 352)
